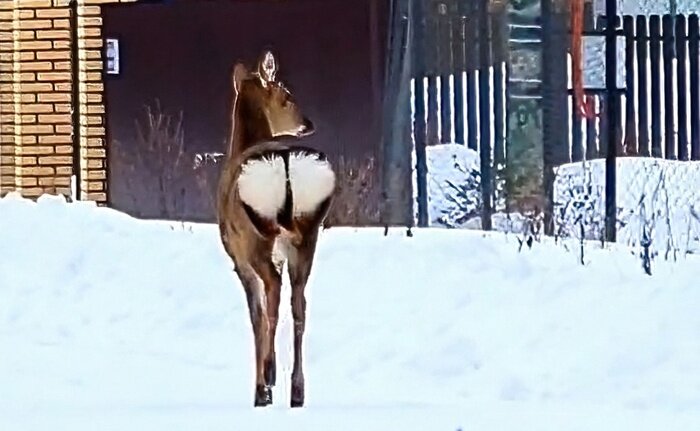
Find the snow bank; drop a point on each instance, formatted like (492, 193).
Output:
(661, 195)
(112, 323)
(454, 193)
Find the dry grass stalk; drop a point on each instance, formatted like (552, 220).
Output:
(358, 202)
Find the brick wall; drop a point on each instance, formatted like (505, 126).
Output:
(7, 96)
(35, 95)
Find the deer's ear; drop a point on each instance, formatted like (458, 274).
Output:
(268, 67)
(240, 72)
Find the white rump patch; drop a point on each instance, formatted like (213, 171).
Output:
(313, 181)
(261, 185)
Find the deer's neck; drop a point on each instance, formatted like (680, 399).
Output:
(244, 135)
(239, 140)
(236, 143)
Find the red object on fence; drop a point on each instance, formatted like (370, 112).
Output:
(584, 104)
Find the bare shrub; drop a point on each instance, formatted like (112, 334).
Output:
(152, 176)
(358, 202)
(160, 140)
(207, 168)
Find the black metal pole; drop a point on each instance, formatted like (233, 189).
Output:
(417, 58)
(75, 95)
(396, 156)
(549, 113)
(612, 107)
(484, 27)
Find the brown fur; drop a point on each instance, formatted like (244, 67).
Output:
(264, 117)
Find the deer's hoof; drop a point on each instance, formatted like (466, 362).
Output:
(263, 396)
(297, 398)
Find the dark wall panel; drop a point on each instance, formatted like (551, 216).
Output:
(181, 54)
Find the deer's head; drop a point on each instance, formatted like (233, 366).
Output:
(264, 108)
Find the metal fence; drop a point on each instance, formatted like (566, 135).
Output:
(496, 140)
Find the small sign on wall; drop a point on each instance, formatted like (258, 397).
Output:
(112, 56)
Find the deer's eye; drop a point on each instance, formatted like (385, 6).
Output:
(286, 100)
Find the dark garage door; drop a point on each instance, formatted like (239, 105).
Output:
(171, 98)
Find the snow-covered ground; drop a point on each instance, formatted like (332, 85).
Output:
(111, 323)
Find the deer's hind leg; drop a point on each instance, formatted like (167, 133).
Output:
(257, 307)
(269, 270)
(300, 262)
(273, 289)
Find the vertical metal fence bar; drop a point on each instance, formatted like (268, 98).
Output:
(668, 49)
(419, 121)
(655, 56)
(485, 114)
(682, 87)
(554, 100)
(499, 44)
(397, 208)
(642, 80)
(471, 57)
(445, 69)
(611, 112)
(694, 60)
(458, 48)
(631, 142)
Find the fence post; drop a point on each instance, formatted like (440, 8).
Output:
(655, 57)
(459, 67)
(642, 79)
(499, 46)
(419, 122)
(668, 51)
(485, 114)
(432, 70)
(445, 68)
(682, 87)
(554, 99)
(631, 143)
(612, 94)
(396, 143)
(471, 62)
(694, 60)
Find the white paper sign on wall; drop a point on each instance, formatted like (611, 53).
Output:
(112, 56)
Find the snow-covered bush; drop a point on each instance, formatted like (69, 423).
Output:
(579, 210)
(454, 188)
(463, 196)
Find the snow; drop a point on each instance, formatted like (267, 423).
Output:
(661, 194)
(664, 194)
(649, 7)
(113, 323)
(450, 165)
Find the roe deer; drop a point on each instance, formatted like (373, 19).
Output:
(272, 198)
